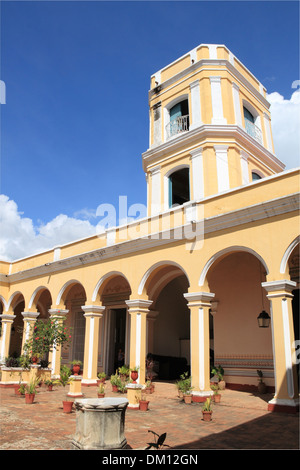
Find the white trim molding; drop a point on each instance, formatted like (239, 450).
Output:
(216, 101)
(222, 167)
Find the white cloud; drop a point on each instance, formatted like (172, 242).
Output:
(19, 237)
(285, 114)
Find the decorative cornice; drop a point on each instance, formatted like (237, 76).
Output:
(228, 220)
(199, 134)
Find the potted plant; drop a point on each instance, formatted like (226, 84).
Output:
(64, 380)
(102, 376)
(76, 366)
(207, 410)
(134, 373)
(49, 384)
(217, 395)
(30, 390)
(21, 390)
(124, 372)
(219, 373)
(101, 390)
(43, 336)
(149, 387)
(262, 388)
(143, 403)
(115, 382)
(184, 386)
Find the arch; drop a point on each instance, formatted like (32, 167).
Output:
(5, 305)
(65, 288)
(105, 278)
(167, 182)
(168, 107)
(287, 253)
(9, 303)
(35, 293)
(225, 251)
(153, 268)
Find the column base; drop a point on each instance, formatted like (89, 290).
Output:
(89, 382)
(200, 397)
(283, 406)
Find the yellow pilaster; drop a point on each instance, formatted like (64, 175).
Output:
(93, 315)
(199, 305)
(7, 321)
(286, 384)
(29, 319)
(138, 309)
(55, 354)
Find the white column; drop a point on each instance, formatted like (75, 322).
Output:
(197, 171)
(237, 104)
(93, 315)
(216, 99)
(222, 167)
(155, 190)
(244, 167)
(267, 124)
(157, 131)
(195, 105)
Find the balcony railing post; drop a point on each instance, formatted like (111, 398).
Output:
(177, 125)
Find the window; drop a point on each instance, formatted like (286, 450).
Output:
(250, 125)
(255, 176)
(179, 187)
(179, 119)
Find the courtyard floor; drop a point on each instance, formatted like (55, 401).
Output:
(240, 421)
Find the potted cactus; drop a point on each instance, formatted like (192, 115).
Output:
(262, 388)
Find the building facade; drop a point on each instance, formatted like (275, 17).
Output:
(219, 245)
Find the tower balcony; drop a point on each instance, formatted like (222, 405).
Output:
(253, 131)
(178, 125)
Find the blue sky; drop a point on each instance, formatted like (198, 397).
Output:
(77, 74)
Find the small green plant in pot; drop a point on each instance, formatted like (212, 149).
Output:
(102, 376)
(64, 380)
(101, 390)
(219, 373)
(262, 388)
(207, 410)
(217, 394)
(76, 366)
(30, 390)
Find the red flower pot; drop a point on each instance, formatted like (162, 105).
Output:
(67, 406)
(76, 369)
(144, 405)
(34, 359)
(134, 375)
(29, 398)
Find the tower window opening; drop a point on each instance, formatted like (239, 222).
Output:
(179, 187)
(250, 125)
(179, 119)
(255, 176)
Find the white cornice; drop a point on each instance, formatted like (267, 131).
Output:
(208, 63)
(260, 211)
(211, 130)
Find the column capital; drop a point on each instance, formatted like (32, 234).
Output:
(138, 305)
(58, 312)
(281, 288)
(5, 317)
(199, 299)
(30, 316)
(93, 310)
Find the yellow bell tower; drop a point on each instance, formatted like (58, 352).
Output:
(210, 129)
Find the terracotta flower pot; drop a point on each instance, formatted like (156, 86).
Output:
(50, 388)
(67, 406)
(115, 388)
(217, 398)
(134, 375)
(17, 391)
(144, 405)
(29, 398)
(206, 415)
(101, 395)
(34, 359)
(187, 398)
(76, 369)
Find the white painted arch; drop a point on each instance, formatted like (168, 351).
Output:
(35, 294)
(287, 254)
(103, 279)
(155, 266)
(64, 287)
(8, 305)
(230, 249)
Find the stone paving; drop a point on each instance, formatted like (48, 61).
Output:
(240, 421)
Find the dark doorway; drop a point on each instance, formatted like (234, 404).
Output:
(179, 187)
(117, 335)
